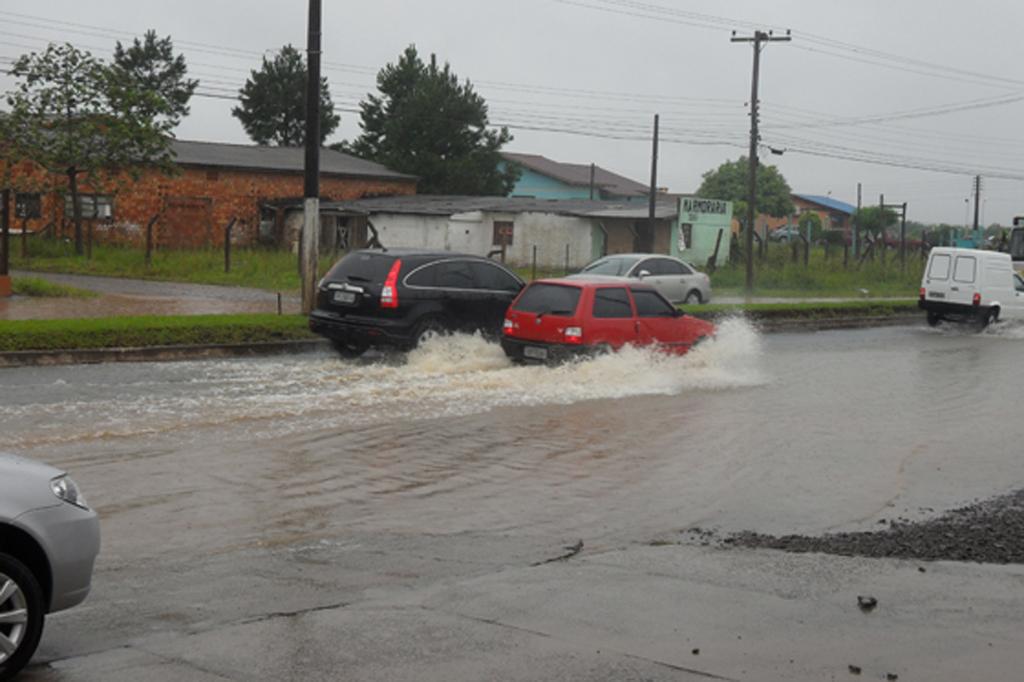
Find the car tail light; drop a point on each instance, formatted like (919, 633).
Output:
(389, 294)
(574, 334)
(977, 299)
(922, 292)
(509, 326)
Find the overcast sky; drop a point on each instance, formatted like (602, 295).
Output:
(592, 71)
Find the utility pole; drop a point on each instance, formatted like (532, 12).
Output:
(757, 39)
(881, 222)
(5, 242)
(856, 227)
(653, 206)
(977, 203)
(311, 207)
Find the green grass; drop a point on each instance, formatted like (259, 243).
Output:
(128, 332)
(34, 286)
(777, 275)
(252, 267)
(765, 311)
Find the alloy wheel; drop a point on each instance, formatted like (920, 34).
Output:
(13, 617)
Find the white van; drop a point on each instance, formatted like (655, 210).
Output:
(971, 285)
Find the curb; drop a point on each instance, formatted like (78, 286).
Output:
(825, 324)
(92, 356)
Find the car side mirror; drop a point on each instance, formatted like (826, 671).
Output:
(643, 273)
(678, 313)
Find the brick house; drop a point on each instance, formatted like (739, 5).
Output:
(260, 187)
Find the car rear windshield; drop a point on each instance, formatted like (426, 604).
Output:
(610, 266)
(549, 299)
(361, 266)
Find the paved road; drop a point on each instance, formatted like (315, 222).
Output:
(305, 518)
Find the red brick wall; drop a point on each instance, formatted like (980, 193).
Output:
(199, 202)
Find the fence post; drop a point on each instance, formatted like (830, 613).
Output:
(567, 259)
(88, 243)
(796, 250)
(227, 245)
(846, 254)
(807, 250)
(24, 238)
(533, 274)
(149, 240)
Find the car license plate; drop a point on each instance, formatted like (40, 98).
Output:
(348, 297)
(535, 353)
(936, 294)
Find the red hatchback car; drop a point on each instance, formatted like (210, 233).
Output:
(555, 319)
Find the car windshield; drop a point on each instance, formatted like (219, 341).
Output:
(549, 299)
(611, 266)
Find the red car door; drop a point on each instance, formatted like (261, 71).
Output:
(659, 323)
(612, 321)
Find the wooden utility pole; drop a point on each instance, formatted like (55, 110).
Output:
(652, 207)
(5, 242)
(881, 222)
(311, 207)
(757, 39)
(856, 227)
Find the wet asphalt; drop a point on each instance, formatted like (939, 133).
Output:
(421, 517)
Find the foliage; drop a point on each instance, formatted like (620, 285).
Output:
(731, 182)
(261, 268)
(37, 287)
(426, 123)
(778, 275)
(872, 219)
(272, 105)
(136, 332)
(71, 116)
(151, 65)
(810, 219)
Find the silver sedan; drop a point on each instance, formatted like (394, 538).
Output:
(677, 280)
(49, 539)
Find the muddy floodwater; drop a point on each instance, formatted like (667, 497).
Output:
(786, 433)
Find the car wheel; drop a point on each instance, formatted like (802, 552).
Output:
(985, 318)
(427, 329)
(692, 297)
(934, 319)
(347, 349)
(21, 615)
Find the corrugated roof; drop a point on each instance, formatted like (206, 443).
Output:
(829, 203)
(578, 175)
(281, 159)
(446, 205)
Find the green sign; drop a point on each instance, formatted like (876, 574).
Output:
(697, 230)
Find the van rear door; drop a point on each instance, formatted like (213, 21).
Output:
(964, 280)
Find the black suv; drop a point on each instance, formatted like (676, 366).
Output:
(394, 297)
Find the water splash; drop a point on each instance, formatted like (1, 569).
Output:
(446, 376)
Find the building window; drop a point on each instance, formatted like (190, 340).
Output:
(503, 233)
(92, 206)
(28, 205)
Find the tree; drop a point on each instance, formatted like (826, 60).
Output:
(150, 64)
(810, 219)
(426, 123)
(871, 219)
(731, 182)
(73, 118)
(272, 105)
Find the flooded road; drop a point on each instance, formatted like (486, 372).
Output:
(451, 463)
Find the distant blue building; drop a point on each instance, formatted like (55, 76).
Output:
(543, 178)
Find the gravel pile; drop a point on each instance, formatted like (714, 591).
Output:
(986, 532)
